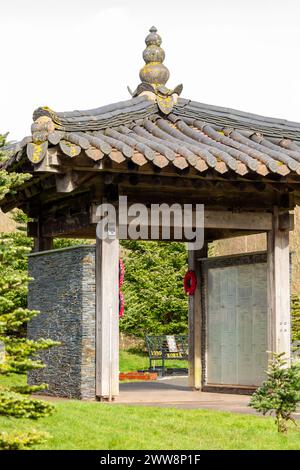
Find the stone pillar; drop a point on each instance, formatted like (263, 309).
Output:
(63, 290)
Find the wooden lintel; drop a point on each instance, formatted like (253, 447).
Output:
(149, 170)
(252, 221)
(238, 220)
(217, 199)
(58, 226)
(212, 235)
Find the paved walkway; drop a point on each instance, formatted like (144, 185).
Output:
(173, 392)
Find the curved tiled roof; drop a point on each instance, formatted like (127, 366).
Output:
(141, 107)
(99, 118)
(270, 127)
(192, 135)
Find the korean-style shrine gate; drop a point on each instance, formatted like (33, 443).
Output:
(158, 148)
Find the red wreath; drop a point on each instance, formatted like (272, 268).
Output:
(121, 304)
(121, 272)
(190, 282)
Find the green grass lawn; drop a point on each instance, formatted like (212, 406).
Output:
(134, 360)
(92, 425)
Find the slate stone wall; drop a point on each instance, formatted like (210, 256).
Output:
(63, 290)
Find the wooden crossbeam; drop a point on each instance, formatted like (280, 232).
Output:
(252, 221)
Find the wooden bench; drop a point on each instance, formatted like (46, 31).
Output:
(166, 347)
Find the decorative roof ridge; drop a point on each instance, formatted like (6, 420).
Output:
(230, 117)
(184, 102)
(119, 106)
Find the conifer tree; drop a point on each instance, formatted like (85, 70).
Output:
(279, 394)
(18, 354)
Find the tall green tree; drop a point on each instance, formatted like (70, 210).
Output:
(18, 354)
(155, 302)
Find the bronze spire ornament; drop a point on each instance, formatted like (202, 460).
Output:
(154, 75)
(154, 71)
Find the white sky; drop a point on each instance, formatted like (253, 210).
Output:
(72, 54)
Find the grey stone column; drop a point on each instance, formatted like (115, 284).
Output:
(63, 290)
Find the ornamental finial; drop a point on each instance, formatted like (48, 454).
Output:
(154, 75)
(154, 72)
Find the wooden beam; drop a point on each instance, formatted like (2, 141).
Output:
(65, 216)
(238, 220)
(278, 265)
(212, 235)
(69, 216)
(107, 319)
(213, 190)
(195, 321)
(252, 221)
(58, 226)
(171, 171)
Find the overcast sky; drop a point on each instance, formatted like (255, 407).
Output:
(81, 54)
